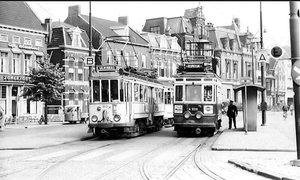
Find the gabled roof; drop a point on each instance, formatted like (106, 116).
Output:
(19, 14)
(104, 27)
(155, 39)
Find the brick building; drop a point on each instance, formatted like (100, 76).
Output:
(22, 42)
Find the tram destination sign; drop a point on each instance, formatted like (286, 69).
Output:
(194, 66)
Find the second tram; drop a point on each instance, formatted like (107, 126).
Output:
(198, 100)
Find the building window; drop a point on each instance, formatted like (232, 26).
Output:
(14, 91)
(16, 64)
(3, 91)
(4, 37)
(37, 58)
(228, 93)
(155, 29)
(135, 61)
(16, 39)
(80, 96)
(38, 42)
(27, 41)
(163, 43)
(118, 58)
(27, 65)
(71, 96)
(109, 57)
(144, 61)
(235, 70)
(227, 69)
(3, 62)
(248, 69)
(76, 39)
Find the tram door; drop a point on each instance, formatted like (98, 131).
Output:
(128, 98)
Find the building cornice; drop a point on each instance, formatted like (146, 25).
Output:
(22, 29)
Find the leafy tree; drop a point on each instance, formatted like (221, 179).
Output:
(45, 83)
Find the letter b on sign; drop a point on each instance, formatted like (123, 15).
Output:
(276, 52)
(90, 61)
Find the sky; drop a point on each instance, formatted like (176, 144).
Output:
(275, 14)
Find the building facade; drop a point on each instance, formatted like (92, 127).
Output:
(22, 42)
(69, 47)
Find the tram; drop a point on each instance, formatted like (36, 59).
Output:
(198, 95)
(125, 102)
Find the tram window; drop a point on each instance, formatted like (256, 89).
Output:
(146, 94)
(136, 92)
(141, 93)
(104, 90)
(167, 97)
(121, 91)
(208, 93)
(114, 90)
(96, 90)
(193, 92)
(178, 95)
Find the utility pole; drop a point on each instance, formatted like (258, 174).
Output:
(90, 54)
(263, 93)
(295, 53)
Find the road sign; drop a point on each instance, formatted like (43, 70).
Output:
(296, 72)
(262, 55)
(276, 52)
(90, 61)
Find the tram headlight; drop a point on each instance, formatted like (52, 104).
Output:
(117, 118)
(99, 108)
(187, 115)
(94, 118)
(198, 115)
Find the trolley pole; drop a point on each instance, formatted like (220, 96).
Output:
(263, 94)
(295, 53)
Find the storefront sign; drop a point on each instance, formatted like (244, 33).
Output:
(23, 46)
(105, 67)
(15, 78)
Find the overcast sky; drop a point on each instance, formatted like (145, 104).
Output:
(275, 14)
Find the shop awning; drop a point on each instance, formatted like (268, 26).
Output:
(38, 53)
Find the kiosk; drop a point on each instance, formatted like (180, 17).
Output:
(249, 98)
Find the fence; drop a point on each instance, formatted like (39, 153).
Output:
(32, 119)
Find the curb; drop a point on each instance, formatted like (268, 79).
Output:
(260, 171)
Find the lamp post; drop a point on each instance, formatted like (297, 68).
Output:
(263, 95)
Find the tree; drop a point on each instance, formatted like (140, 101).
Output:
(45, 83)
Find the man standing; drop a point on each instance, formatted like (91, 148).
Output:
(232, 113)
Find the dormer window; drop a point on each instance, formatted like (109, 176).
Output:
(76, 37)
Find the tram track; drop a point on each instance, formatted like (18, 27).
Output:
(195, 154)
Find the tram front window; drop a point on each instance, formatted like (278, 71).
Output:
(104, 90)
(114, 90)
(208, 93)
(96, 90)
(193, 92)
(178, 93)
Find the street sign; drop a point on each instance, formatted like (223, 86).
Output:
(276, 52)
(262, 55)
(90, 61)
(296, 72)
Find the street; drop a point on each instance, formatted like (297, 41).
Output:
(71, 153)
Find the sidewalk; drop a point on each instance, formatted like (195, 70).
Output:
(275, 142)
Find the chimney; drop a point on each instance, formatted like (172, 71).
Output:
(123, 20)
(48, 23)
(74, 10)
(237, 22)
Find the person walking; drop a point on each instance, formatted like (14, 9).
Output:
(291, 108)
(232, 113)
(284, 110)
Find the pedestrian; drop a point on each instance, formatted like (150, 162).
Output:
(284, 110)
(232, 113)
(291, 108)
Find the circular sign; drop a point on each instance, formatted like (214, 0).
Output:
(296, 72)
(276, 52)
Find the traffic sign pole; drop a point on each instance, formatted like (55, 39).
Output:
(295, 53)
